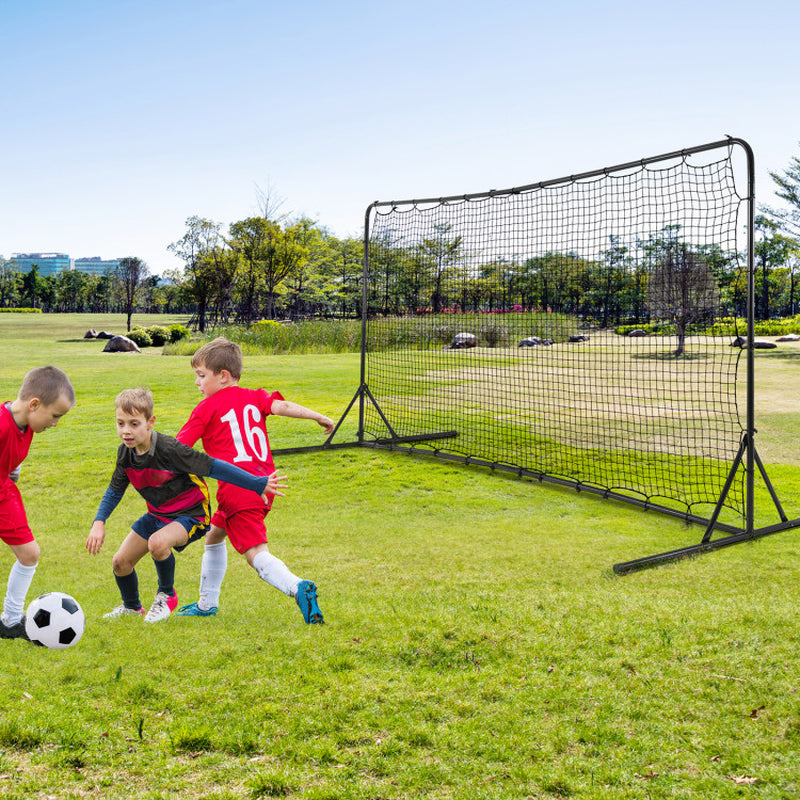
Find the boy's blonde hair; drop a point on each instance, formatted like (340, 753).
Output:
(135, 401)
(220, 354)
(47, 384)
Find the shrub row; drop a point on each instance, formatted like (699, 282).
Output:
(20, 310)
(725, 326)
(158, 335)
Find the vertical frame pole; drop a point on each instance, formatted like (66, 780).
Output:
(364, 313)
(751, 290)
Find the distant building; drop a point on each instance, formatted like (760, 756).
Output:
(48, 263)
(96, 265)
(51, 263)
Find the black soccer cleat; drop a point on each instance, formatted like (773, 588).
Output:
(15, 631)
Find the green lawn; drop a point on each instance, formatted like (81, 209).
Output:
(477, 644)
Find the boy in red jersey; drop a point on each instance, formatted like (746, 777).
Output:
(168, 475)
(44, 397)
(231, 422)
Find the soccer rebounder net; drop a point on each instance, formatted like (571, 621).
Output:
(593, 331)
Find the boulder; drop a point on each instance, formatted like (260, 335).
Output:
(105, 335)
(579, 337)
(121, 344)
(90, 334)
(637, 332)
(461, 341)
(790, 337)
(758, 344)
(535, 341)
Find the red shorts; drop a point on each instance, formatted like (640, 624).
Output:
(245, 528)
(14, 528)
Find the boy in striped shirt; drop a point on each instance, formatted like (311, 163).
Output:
(169, 476)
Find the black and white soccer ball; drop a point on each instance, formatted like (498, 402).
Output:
(55, 620)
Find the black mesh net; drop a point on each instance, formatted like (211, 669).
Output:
(580, 329)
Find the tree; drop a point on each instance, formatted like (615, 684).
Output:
(254, 240)
(131, 272)
(772, 251)
(788, 190)
(683, 288)
(442, 253)
(33, 287)
(10, 280)
(268, 256)
(202, 235)
(71, 290)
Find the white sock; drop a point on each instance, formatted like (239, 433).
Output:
(212, 571)
(275, 573)
(19, 581)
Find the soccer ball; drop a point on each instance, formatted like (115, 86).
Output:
(54, 620)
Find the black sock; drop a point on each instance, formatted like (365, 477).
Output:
(129, 589)
(166, 574)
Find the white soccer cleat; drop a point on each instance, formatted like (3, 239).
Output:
(162, 607)
(123, 610)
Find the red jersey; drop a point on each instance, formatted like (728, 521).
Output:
(14, 443)
(14, 447)
(232, 425)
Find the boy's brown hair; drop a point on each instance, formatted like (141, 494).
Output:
(47, 384)
(135, 401)
(219, 354)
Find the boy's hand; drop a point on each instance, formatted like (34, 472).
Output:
(327, 424)
(273, 486)
(97, 536)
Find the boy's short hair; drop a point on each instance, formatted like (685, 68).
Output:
(220, 354)
(135, 401)
(47, 384)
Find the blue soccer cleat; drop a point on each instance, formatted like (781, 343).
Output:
(194, 610)
(307, 601)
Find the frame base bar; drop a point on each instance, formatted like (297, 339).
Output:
(315, 448)
(704, 547)
(419, 437)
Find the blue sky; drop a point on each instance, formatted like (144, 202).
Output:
(118, 120)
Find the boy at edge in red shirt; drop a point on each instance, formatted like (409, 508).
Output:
(45, 396)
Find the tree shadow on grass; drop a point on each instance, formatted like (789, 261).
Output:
(669, 355)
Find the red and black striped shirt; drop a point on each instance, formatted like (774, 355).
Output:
(169, 476)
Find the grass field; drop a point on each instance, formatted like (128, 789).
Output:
(477, 644)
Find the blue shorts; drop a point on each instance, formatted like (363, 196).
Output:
(147, 525)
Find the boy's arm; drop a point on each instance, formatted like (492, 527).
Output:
(97, 534)
(286, 408)
(191, 431)
(260, 484)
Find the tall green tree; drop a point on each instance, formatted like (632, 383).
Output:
(268, 255)
(788, 183)
(201, 236)
(10, 283)
(772, 250)
(34, 286)
(255, 241)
